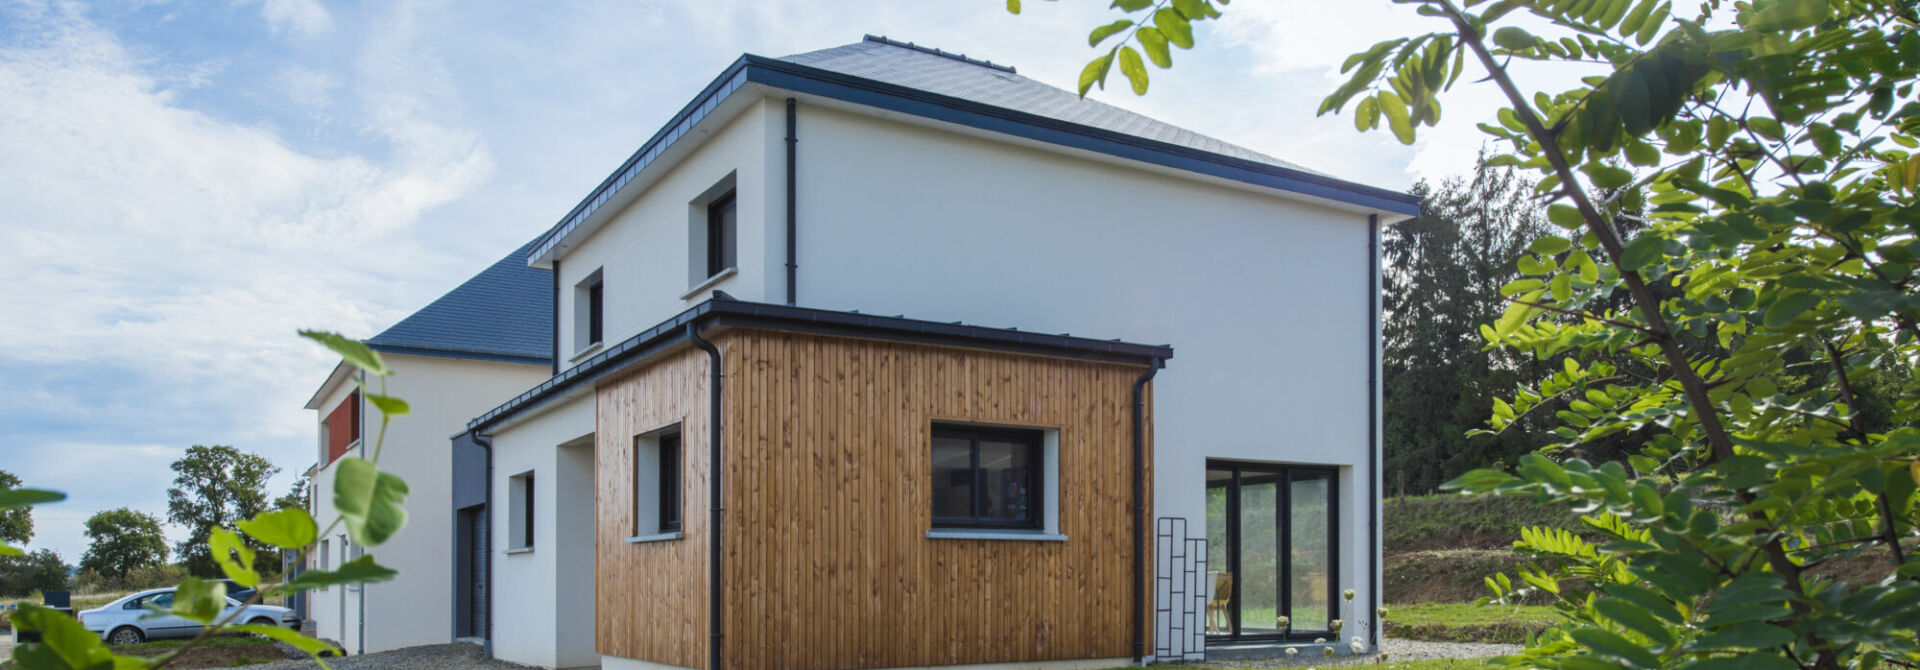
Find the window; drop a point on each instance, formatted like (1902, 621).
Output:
(342, 428)
(589, 311)
(721, 229)
(656, 483)
(987, 477)
(520, 505)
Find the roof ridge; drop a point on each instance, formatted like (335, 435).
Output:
(883, 39)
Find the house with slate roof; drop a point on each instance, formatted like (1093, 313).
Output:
(485, 340)
(866, 359)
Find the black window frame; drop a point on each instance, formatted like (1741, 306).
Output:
(722, 233)
(527, 509)
(1033, 439)
(669, 467)
(596, 312)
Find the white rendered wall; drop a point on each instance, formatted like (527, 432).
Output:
(1263, 297)
(415, 608)
(335, 611)
(643, 251)
(543, 599)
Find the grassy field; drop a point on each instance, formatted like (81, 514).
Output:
(1441, 664)
(1465, 622)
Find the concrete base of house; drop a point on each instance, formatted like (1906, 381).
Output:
(1255, 651)
(618, 663)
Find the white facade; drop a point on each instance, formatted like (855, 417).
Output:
(543, 593)
(1265, 295)
(416, 607)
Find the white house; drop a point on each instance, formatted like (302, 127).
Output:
(895, 276)
(483, 341)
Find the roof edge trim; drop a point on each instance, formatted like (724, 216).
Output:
(463, 354)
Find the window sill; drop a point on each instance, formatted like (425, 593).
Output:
(657, 537)
(520, 550)
(590, 350)
(972, 534)
(710, 282)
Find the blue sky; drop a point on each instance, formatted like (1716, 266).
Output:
(185, 184)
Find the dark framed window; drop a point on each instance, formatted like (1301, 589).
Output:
(596, 312)
(526, 512)
(721, 228)
(986, 477)
(670, 482)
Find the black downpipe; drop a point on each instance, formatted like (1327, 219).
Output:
(793, 217)
(1140, 507)
(713, 498)
(1373, 427)
(486, 645)
(556, 350)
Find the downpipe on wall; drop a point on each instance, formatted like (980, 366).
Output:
(486, 636)
(1140, 507)
(1373, 428)
(793, 215)
(714, 509)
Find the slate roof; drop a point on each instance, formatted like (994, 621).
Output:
(505, 313)
(935, 71)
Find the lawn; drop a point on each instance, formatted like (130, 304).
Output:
(1465, 622)
(1439, 664)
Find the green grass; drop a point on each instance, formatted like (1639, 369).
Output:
(1452, 521)
(1464, 622)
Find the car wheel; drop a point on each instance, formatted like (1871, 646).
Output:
(126, 635)
(261, 621)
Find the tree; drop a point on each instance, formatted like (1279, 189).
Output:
(1765, 150)
(16, 525)
(214, 487)
(296, 497)
(39, 571)
(121, 541)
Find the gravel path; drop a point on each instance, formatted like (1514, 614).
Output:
(1397, 650)
(457, 656)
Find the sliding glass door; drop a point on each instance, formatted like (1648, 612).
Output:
(1271, 550)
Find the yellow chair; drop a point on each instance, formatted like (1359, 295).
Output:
(1221, 597)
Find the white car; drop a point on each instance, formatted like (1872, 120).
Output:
(127, 621)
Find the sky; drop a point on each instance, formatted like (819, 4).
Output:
(185, 184)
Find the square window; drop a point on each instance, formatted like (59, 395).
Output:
(987, 477)
(657, 459)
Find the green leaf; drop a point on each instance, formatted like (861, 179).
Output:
(1013, 6)
(1742, 662)
(1095, 72)
(1642, 251)
(1174, 26)
(1101, 33)
(1194, 10)
(199, 600)
(1134, 68)
(1633, 618)
(1550, 245)
(1767, 128)
(1397, 119)
(313, 646)
(369, 500)
(234, 556)
(353, 351)
(1566, 216)
(1653, 25)
(1788, 307)
(12, 498)
(1790, 15)
(286, 529)
(1514, 38)
(1131, 5)
(388, 405)
(361, 570)
(1154, 43)
(64, 643)
(1607, 176)
(1749, 635)
(1612, 644)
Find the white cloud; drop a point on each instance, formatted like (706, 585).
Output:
(301, 18)
(306, 86)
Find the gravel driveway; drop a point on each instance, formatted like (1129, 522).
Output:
(1397, 650)
(457, 656)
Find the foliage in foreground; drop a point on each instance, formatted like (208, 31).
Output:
(1765, 150)
(369, 505)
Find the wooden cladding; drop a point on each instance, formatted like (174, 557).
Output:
(828, 502)
(343, 427)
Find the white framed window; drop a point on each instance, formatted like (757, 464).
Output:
(520, 510)
(713, 234)
(659, 461)
(589, 312)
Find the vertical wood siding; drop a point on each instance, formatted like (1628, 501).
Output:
(827, 456)
(650, 599)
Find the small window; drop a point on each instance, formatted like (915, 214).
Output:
(520, 501)
(589, 311)
(721, 229)
(656, 483)
(986, 477)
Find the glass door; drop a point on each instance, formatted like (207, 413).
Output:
(1271, 552)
